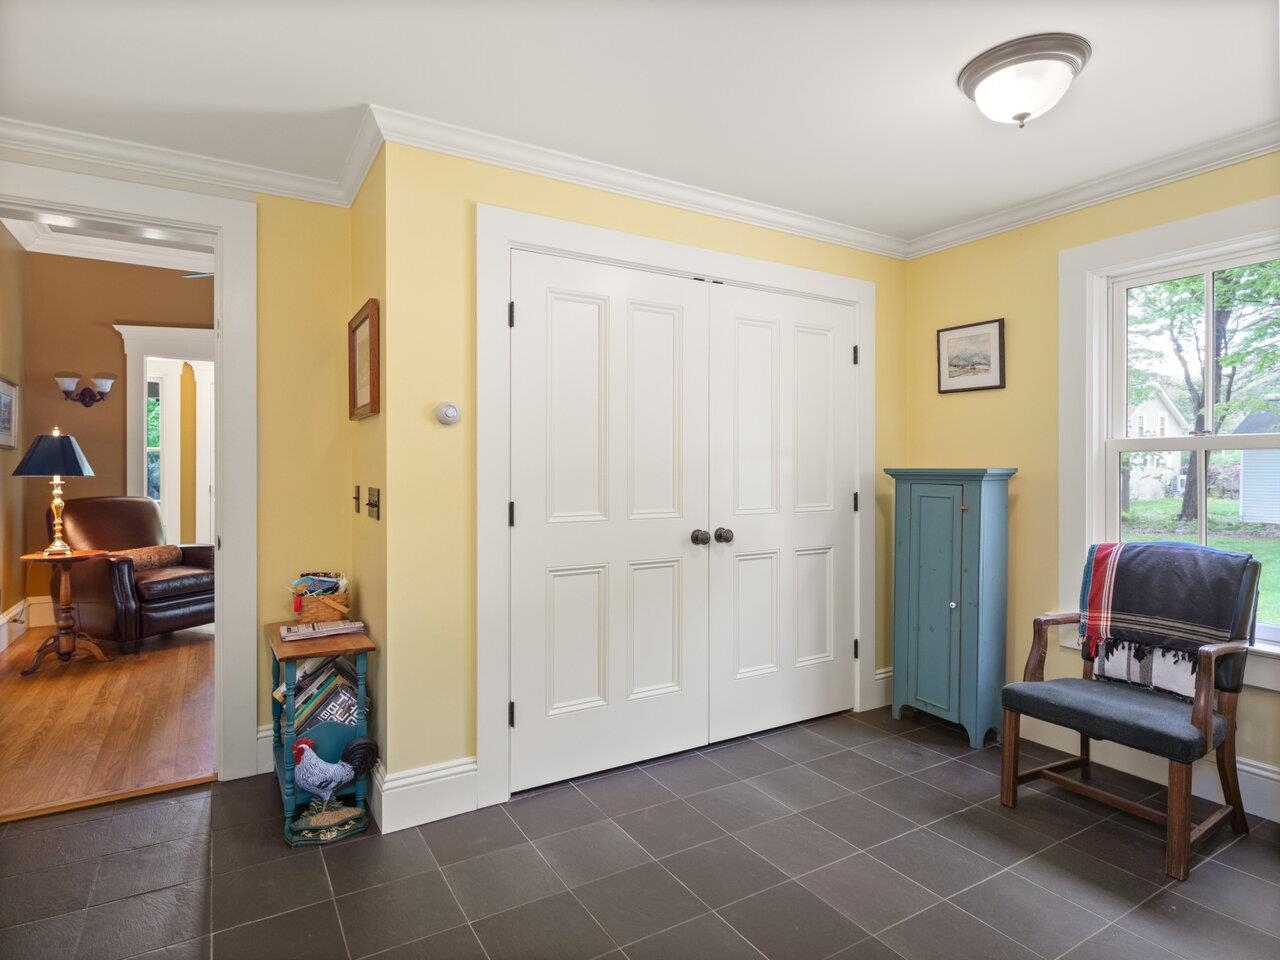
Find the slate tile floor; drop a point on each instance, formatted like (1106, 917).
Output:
(850, 837)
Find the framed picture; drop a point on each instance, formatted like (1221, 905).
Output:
(362, 362)
(971, 357)
(8, 415)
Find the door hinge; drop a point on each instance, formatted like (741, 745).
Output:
(855, 353)
(855, 648)
(511, 713)
(855, 501)
(511, 313)
(511, 513)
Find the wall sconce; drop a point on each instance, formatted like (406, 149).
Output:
(102, 384)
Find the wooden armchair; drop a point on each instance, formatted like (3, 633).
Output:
(1144, 719)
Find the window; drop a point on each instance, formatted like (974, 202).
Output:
(1203, 340)
(153, 439)
(1142, 426)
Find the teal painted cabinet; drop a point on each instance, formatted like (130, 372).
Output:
(950, 556)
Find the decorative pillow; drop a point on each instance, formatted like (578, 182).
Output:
(148, 558)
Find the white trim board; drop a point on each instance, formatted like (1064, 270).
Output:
(498, 232)
(232, 226)
(410, 797)
(383, 124)
(39, 238)
(13, 623)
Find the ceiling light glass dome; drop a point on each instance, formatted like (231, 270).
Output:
(1022, 79)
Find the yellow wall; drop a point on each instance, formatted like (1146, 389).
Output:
(12, 490)
(187, 471)
(1015, 275)
(304, 458)
(429, 327)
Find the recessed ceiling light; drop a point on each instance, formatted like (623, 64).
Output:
(1019, 80)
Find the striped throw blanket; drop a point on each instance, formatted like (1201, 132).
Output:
(1147, 608)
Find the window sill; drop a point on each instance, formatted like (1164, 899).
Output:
(1262, 672)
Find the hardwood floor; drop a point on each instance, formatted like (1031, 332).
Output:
(81, 733)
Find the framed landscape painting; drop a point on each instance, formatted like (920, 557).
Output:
(8, 415)
(363, 373)
(971, 357)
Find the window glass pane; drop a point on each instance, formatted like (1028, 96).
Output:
(1246, 348)
(153, 414)
(1157, 496)
(153, 474)
(1164, 341)
(1244, 514)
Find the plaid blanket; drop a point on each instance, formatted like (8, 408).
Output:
(1139, 598)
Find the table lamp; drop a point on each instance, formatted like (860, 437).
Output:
(54, 455)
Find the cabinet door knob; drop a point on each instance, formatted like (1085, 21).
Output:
(952, 604)
(724, 535)
(700, 537)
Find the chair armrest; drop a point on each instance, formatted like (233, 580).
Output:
(198, 555)
(1206, 677)
(1034, 670)
(105, 582)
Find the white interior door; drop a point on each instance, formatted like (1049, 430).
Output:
(783, 418)
(609, 477)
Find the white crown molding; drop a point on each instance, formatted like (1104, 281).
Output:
(1177, 166)
(383, 124)
(160, 161)
(38, 238)
(415, 131)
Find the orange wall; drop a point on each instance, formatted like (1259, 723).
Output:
(71, 306)
(13, 260)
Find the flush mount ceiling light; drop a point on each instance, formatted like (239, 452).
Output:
(1021, 79)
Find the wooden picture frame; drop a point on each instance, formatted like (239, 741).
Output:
(8, 414)
(363, 363)
(971, 357)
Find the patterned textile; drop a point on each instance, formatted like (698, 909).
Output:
(148, 558)
(1147, 608)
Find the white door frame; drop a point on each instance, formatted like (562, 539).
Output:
(498, 232)
(140, 345)
(168, 373)
(232, 224)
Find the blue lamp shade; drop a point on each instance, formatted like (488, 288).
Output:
(54, 455)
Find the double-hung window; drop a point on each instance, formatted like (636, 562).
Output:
(1197, 349)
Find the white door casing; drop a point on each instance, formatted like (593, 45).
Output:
(206, 451)
(609, 477)
(502, 233)
(782, 480)
(167, 373)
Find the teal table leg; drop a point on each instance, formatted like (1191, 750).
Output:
(362, 725)
(287, 786)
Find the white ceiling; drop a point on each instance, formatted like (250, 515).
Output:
(846, 111)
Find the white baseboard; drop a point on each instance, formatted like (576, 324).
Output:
(39, 612)
(1259, 782)
(410, 797)
(12, 623)
(883, 695)
(266, 756)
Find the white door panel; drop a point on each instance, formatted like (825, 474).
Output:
(609, 477)
(782, 479)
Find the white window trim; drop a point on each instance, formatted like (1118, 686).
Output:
(1085, 275)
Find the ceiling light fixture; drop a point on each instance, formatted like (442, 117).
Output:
(1019, 80)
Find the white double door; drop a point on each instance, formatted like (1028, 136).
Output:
(646, 408)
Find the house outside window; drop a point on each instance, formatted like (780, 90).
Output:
(1197, 348)
(154, 433)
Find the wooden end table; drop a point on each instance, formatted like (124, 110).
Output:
(68, 639)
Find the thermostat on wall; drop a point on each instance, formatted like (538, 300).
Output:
(448, 413)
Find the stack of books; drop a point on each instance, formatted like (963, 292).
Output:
(325, 692)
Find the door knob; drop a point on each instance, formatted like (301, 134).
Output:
(724, 535)
(700, 537)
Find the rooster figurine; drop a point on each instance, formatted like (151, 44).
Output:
(327, 819)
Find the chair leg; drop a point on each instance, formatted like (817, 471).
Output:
(1085, 770)
(1009, 760)
(1177, 843)
(1230, 780)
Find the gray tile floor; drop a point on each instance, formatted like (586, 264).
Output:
(859, 838)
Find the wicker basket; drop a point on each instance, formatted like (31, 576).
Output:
(315, 609)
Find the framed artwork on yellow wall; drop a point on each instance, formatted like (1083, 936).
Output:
(8, 414)
(971, 357)
(363, 375)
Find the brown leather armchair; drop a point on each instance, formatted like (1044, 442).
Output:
(117, 602)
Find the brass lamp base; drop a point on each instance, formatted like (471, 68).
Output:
(58, 546)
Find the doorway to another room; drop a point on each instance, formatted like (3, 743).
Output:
(118, 354)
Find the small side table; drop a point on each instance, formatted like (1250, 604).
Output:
(68, 639)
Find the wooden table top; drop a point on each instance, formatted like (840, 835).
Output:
(336, 645)
(73, 557)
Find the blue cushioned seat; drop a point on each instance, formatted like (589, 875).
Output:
(1137, 717)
